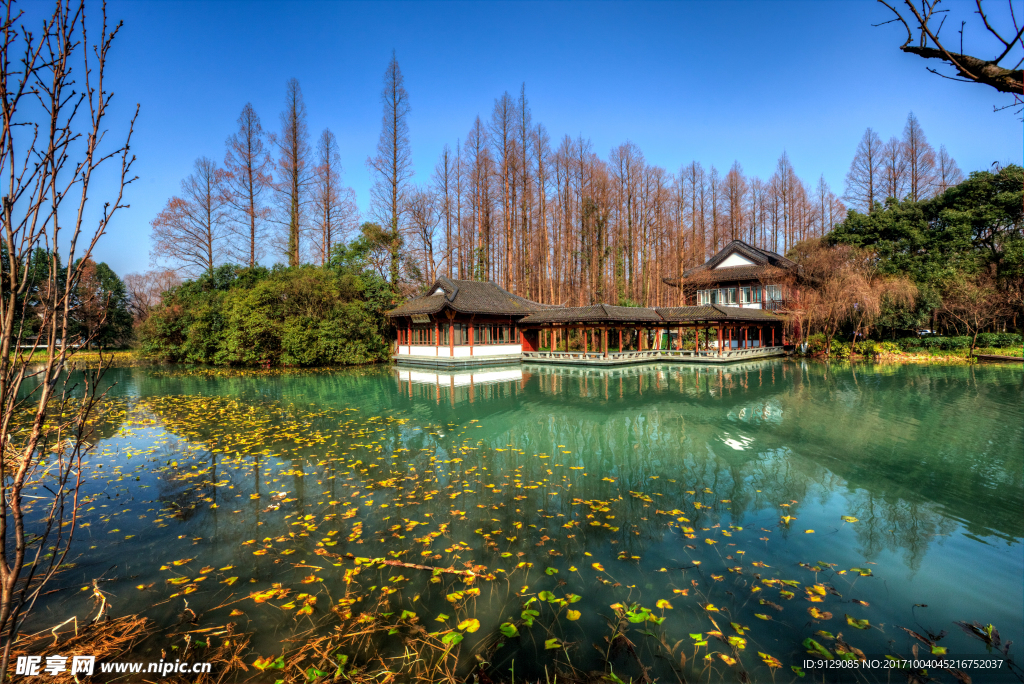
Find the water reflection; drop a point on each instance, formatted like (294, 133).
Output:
(929, 459)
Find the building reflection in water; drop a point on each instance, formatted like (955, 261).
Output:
(454, 387)
(617, 382)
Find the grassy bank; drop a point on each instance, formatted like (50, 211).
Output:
(126, 358)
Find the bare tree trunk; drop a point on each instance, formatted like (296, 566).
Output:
(44, 174)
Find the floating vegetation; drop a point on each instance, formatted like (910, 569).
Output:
(313, 543)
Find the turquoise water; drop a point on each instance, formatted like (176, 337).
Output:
(693, 486)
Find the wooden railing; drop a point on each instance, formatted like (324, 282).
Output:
(650, 354)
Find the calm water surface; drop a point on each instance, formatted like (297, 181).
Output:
(691, 485)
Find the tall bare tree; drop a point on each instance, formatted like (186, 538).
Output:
(920, 160)
(444, 180)
(864, 179)
(293, 169)
(503, 138)
(947, 172)
(333, 214)
(189, 232)
(145, 290)
(894, 169)
(424, 218)
(735, 190)
(249, 176)
(392, 164)
(47, 178)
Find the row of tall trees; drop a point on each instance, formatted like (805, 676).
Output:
(551, 220)
(903, 168)
(555, 222)
(275, 195)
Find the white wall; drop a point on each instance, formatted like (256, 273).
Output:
(734, 259)
(460, 351)
(461, 378)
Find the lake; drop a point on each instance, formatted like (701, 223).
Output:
(668, 522)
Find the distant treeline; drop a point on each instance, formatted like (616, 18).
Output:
(547, 217)
(963, 249)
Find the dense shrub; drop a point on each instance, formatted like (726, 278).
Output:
(816, 343)
(840, 350)
(866, 348)
(939, 343)
(888, 348)
(303, 316)
(1000, 340)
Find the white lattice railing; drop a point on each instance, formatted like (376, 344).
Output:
(649, 354)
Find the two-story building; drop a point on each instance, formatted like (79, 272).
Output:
(740, 275)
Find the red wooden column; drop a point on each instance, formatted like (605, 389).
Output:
(679, 338)
(585, 332)
(604, 345)
(437, 341)
(471, 335)
(719, 340)
(729, 340)
(409, 334)
(620, 340)
(451, 339)
(746, 336)
(760, 336)
(773, 335)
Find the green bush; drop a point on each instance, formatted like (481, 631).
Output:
(1000, 340)
(867, 348)
(888, 348)
(816, 343)
(935, 343)
(840, 350)
(303, 316)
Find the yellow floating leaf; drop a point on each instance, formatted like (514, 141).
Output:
(470, 625)
(572, 615)
(597, 566)
(663, 604)
(235, 613)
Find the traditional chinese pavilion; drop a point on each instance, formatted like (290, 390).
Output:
(734, 317)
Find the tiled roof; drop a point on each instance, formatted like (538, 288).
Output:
(472, 296)
(730, 273)
(713, 312)
(594, 313)
(763, 260)
(468, 296)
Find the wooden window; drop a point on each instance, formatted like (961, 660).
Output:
(750, 295)
(423, 334)
(705, 297)
(727, 295)
(492, 334)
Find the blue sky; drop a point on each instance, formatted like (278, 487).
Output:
(713, 82)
